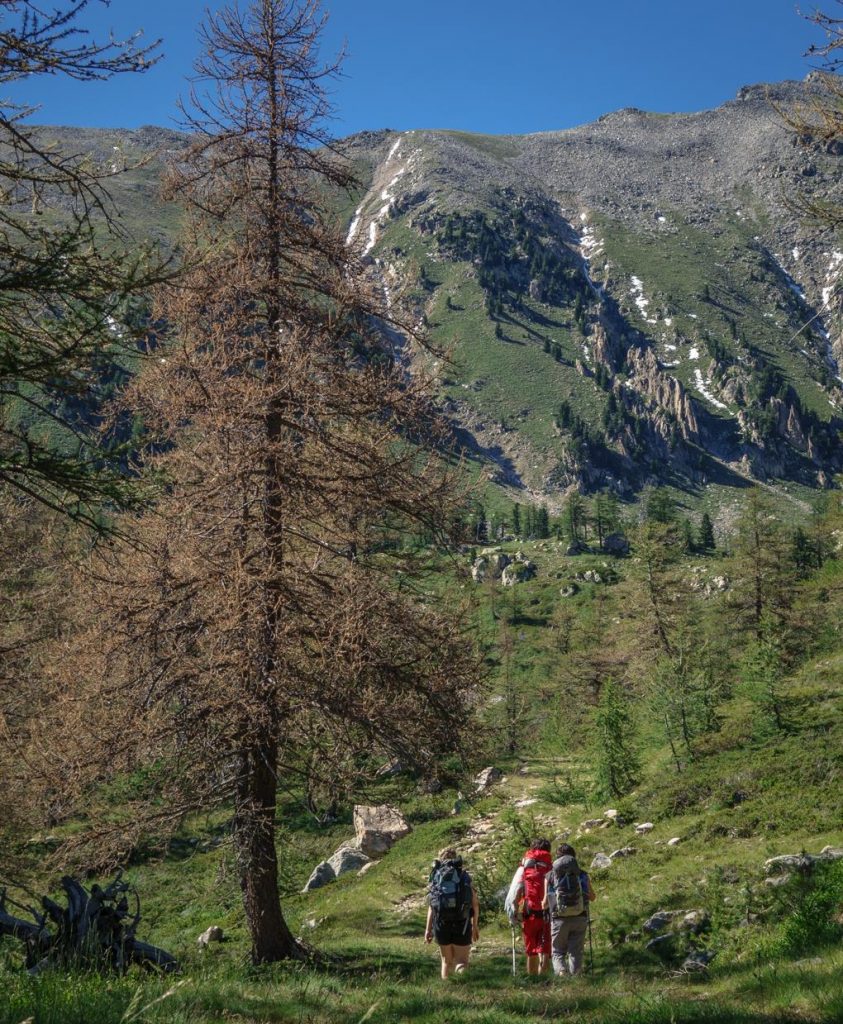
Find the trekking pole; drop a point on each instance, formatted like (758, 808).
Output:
(512, 929)
(590, 943)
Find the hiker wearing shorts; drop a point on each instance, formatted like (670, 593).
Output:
(525, 902)
(453, 912)
(568, 891)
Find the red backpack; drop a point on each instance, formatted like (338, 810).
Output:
(536, 864)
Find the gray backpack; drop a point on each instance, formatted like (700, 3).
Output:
(565, 889)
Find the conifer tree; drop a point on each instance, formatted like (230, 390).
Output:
(618, 765)
(764, 574)
(705, 538)
(72, 281)
(575, 517)
(516, 519)
(255, 633)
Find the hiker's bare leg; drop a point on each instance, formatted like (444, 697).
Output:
(533, 964)
(447, 954)
(461, 955)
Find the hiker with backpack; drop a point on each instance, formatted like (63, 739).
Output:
(568, 891)
(453, 912)
(525, 902)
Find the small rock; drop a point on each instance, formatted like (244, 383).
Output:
(577, 548)
(487, 778)
(569, 591)
(322, 874)
(695, 921)
(659, 941)
(528, 802)
(674, 842)
(366, 868)
(591, 823)
(698, 960)
(212, 934)
(601, 862)
(625, 851)
(831, 853)
(644, 828)
(611, 813)
(661, 919)
(776, 880)
(393, 767)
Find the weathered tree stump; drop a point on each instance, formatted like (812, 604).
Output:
(95, 930)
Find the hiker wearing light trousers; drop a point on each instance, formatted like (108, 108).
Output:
(567, 894)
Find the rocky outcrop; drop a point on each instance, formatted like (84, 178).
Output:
(487, 778)
(802, 861)
(662, 391)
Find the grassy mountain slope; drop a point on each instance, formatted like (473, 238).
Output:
(750, 792)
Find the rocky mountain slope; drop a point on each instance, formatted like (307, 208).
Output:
(633, 300)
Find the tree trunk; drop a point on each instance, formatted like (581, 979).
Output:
(257, 863)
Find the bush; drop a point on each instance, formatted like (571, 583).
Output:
(816, 917)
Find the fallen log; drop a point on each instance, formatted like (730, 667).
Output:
(95, 930)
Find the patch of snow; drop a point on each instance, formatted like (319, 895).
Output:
(670, 348)
(694, 353)
(703, 387)
(668, 321)
(373, 237)
(637, 292)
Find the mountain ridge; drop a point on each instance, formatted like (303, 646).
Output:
(630, 301)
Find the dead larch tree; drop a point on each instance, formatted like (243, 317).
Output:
(268, 615)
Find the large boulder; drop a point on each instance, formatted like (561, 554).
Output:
(518, 572)
(490, 564)
(378, 827)
(616, 544)
(347, 858)
(322, 874)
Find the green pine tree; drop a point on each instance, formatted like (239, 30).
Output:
(705, 537)
(616, 759)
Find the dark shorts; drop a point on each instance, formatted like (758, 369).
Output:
(452, 933)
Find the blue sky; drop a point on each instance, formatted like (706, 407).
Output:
(479, 65)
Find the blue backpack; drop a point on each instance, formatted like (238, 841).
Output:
(450, 892)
